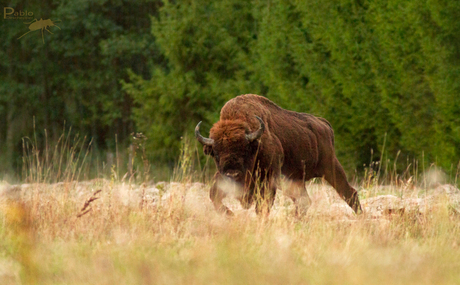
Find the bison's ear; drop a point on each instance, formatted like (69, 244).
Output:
(208, 150)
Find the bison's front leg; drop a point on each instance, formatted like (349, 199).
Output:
(298, 193)
(217, 195)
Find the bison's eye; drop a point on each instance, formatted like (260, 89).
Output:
(216, 157)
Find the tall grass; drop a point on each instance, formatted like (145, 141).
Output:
(122, 229)
(64, 162)
(74, 158)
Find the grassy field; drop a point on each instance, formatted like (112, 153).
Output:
(168, 233)
(120, 230)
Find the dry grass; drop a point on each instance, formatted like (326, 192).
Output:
(131, 231)
(177, 238)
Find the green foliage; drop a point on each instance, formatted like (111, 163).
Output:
(379, 71)
(205, 68)
(72, 79)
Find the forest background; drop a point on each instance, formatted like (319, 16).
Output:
(384, 73)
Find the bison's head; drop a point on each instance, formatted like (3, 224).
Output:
(233, 146)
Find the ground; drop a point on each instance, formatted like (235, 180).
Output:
(169, 233)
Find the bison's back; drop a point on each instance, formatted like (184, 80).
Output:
(305, 139)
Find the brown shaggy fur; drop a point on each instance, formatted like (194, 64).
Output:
(298, 145)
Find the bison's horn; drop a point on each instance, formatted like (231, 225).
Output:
(200, 138)
(257, 134)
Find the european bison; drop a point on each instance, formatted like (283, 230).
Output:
(255, 141)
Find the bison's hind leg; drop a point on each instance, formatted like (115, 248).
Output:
(296, 190)
(335, 175)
